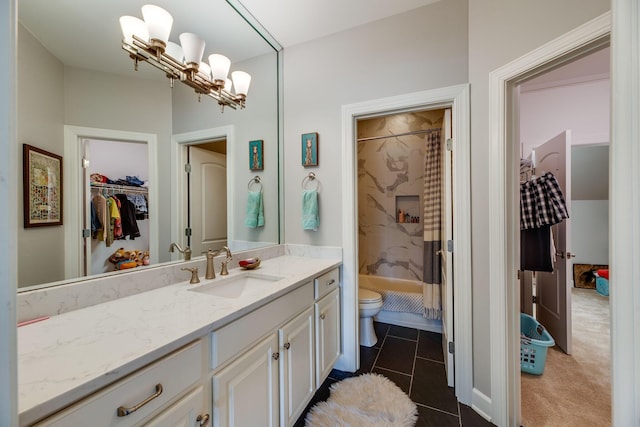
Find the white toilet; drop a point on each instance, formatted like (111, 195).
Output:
(369, 304)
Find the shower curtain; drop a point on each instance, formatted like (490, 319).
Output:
(432, 224)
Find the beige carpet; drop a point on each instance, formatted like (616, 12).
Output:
(574, 390)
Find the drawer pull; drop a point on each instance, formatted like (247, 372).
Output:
(123, 412)
(331, 282)
(275, 356)
(203, 420)
(287, 345)
(322, 316)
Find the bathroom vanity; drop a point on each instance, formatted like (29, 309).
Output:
(250, 348)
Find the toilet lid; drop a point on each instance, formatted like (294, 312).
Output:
(365, 295)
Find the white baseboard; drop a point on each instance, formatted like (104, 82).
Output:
(481, 404)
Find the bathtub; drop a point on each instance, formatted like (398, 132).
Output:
(407, 291)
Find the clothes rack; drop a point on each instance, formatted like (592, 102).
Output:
(114, 188)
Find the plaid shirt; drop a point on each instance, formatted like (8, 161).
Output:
(541, 202)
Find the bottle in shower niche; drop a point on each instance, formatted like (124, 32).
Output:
(400, 215)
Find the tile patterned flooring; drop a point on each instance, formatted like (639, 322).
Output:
(413, 360)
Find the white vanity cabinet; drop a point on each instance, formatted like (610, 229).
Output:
(327, 319)
(131, 400)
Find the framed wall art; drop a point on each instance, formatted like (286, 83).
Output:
(310, 149)
(256, 160)
(42, 183)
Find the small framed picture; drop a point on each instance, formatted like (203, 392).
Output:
(310, 149)
(256, 161)
(42, 183)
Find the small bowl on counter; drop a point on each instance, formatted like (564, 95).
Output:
(249, 263)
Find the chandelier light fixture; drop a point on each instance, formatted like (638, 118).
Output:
(147, 40)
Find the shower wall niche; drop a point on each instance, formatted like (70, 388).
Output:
(391, 178)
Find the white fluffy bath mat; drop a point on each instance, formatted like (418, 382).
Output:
(370, 400)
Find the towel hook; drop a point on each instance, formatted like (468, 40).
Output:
(255, 180)
(310, 178)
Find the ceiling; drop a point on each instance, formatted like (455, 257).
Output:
(292, 22)
(87, 34)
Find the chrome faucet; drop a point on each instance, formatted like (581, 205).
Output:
(223, 265)
(186, 251)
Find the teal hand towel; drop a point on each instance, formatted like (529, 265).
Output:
(255, 210)
(310, 215)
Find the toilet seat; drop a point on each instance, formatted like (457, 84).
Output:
(365, 296)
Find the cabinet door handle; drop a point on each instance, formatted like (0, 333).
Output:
(203, 420)
(275, 356)
(287, 345)
(123, 412)
(331, 282)
(322, 316)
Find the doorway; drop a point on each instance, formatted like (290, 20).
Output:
(504, 202)
(206, 195)
(117, 172)
(573, 101)
(458, 98)
(214, 142)
(76, 216)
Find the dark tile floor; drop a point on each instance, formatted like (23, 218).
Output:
(413, 360)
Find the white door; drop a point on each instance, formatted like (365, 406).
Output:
(245, 393)
(446, 255)
(208, 200)
(327, 334)
(553, 308)
(297, 371)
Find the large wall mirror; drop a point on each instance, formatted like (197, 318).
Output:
(80, 97)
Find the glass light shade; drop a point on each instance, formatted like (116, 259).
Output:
(192, 46)
(204, 70)
(174, 50)
(228, 85)
(158, 21)
(220, 65)
(241, 81)
(130, 26)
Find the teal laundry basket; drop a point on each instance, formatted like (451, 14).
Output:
(534, 342)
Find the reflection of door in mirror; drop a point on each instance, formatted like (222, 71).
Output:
(207, 195)
(118, 176)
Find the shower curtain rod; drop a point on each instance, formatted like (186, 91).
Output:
(415, 132)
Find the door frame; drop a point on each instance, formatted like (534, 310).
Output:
(504, 205)
(457, 98)
(178, 211)
(74, 183)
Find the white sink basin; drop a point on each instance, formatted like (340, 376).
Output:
(235, 286)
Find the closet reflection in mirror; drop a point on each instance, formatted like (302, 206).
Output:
(75, 83)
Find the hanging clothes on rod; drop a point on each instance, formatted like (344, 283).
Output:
(542, 205)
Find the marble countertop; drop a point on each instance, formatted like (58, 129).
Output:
(66, 357)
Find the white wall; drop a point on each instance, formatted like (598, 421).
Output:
(40, 118)
(500, 31)
(420, 50)
(584, 108)
(590, 231)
